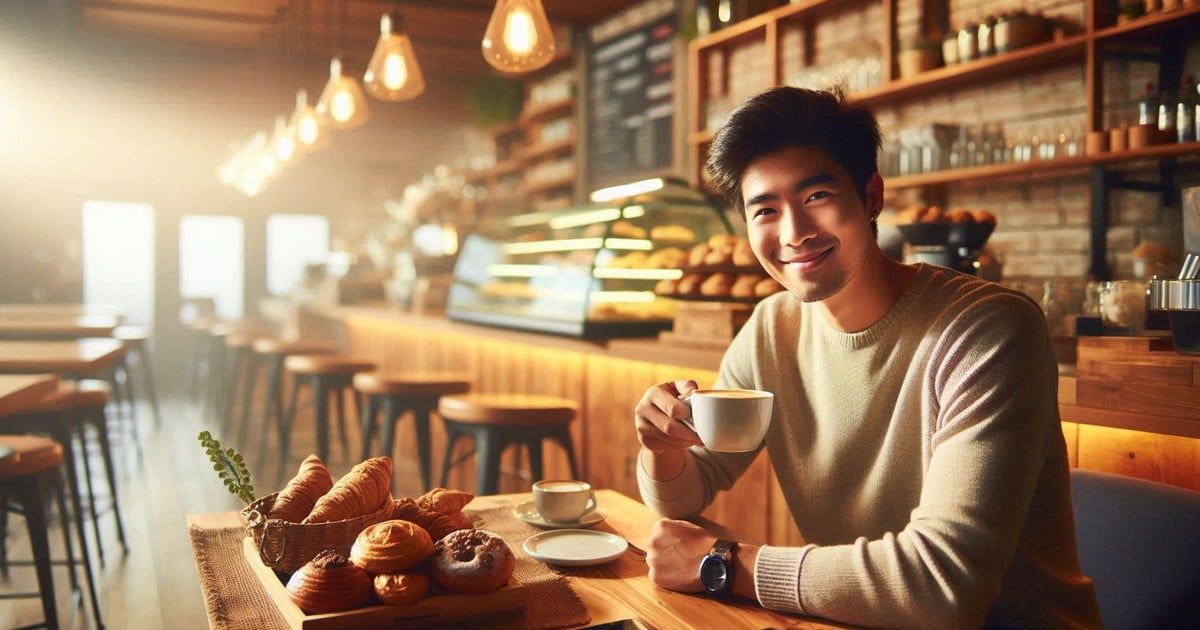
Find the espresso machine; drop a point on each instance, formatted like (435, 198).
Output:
(1180, 296)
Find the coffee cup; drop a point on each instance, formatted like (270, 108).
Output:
(563, 501)
(730, 420)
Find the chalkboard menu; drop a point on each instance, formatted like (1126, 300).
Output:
(631, 95)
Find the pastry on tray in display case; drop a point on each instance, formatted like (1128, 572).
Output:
(722, 268)
(587, 271)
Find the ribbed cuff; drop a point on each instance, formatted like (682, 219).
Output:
(777, 578)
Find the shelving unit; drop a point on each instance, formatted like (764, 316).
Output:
(1099, 37)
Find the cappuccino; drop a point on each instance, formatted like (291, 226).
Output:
(730, 420)
(563, 501)
(732, 393)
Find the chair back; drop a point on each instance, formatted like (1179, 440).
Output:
(1139, 541)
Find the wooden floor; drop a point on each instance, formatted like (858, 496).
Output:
(155, 585)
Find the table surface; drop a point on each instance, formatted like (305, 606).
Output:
(19, 391)
(61, 357)
(33, 326)
(620, 589)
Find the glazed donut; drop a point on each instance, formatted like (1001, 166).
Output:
(329, 583)
(401, 589)
(391, 547)
(472, 561)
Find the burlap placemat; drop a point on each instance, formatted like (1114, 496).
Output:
(219, 561)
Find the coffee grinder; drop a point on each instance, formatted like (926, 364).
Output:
(1180, 296)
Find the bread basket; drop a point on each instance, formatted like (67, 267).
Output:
(285, 546)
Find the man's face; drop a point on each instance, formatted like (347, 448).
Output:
(807, 224)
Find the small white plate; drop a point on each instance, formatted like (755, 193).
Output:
(575, 547)
(528, 513)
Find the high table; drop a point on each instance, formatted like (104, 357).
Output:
(78, 357)
(620, 589)
(57, 326)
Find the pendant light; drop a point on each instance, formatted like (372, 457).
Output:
(393, 73)
(283, 141)
(342, 105)
(518, 36)
(310, 131)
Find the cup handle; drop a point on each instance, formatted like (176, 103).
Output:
(591, 503)
(688, 422)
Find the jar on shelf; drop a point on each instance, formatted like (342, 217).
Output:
(968, 42)
(987, 40)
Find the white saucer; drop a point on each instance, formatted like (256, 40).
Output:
(526, 512)
(575, 547)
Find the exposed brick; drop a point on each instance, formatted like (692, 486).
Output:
(1032, 215)
(1121, 237)
(1033, 266)
(1063, 241)
(1074, 266)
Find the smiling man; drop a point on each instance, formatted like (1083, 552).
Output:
(915, 432)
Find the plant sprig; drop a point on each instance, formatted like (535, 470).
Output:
(230, 467)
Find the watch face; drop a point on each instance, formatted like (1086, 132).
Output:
(714, 573)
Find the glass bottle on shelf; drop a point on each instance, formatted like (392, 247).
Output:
(1166, 116)
(1186, 109)
(1148, 106)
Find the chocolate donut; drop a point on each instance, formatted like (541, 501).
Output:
(472, 561)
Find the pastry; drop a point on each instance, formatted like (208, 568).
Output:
(436, 523)
(689, 284)
(932, 214)
(672, 234)
(445, 501)
(743, 255)
(301, 493)
(329, 583)
(984, 216)
(697, 255)
(767, 286)
(666, 286)
(625, 229)
(472, 561)
(718, 257)
(717, 285)
(359, 492)
(722, 241)
(401, 589)
(391, 547)
(743, 287)
(958, 215)
(666, 258)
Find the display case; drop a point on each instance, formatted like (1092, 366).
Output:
(587, 271)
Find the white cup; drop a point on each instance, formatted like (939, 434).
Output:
(563, 501)
(730, 420)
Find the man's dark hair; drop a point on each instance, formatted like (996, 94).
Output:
(788, 116)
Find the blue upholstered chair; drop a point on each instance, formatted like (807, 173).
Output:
(1140, 542)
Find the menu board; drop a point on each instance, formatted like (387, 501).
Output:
(631, 95)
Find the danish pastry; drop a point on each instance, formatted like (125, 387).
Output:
(329, 583)
(391, 547)
(401, 589)
(472, 561)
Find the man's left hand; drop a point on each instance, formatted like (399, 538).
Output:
(673, 554)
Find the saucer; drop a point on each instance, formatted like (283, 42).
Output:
(526, 512)
(575, 547)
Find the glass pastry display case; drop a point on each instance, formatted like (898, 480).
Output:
(587, 271)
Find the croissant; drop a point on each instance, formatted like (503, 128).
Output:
(359, 492)
(437, 524)
(301, 493)
(445, 501)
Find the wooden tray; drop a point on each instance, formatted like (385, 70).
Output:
(431, 611)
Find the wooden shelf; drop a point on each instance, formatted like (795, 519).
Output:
(535, 151)
(1152, 25)
(567, 181)
(545, 111)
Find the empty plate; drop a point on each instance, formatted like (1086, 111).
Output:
(575, 547)
(528, 513)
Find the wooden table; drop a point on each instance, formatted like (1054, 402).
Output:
(19, 391)
(79, 357)
(620, 589)
(57, 326)
(47, 309)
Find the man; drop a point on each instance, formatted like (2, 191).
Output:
(915, 432)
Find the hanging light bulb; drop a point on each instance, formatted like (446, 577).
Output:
(518, 36)
(310, 132)
(393, 73)
(283, 141)
(342, 104)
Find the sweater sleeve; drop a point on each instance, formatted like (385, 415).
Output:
(995, 405)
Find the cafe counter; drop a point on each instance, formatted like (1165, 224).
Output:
(608, 377)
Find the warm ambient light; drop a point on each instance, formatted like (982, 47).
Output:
(393, 73)
(342, 104)
(283, 142)
(623, 191)
(518, 36)
(309, 130)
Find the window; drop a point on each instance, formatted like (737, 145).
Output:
(211, 264)
(294, 241)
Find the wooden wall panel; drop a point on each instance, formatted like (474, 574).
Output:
(1163, 458)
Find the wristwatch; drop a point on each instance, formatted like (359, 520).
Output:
(716, 569)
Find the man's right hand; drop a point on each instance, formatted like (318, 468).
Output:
(657, 418)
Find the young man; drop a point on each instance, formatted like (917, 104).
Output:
(915, 432)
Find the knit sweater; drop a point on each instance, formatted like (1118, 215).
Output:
(922, 460)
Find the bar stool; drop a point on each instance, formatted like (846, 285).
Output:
(197, 371)
(137, 339)
(239, 381)
(26, 477)
(497, 421)
(396, 393)
(328, 376)
(272, 351)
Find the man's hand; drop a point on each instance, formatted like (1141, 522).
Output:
(673, 554)
(657, 418)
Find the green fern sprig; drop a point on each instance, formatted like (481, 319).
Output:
(230, 467)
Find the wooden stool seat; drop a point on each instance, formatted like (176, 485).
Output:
(70, 396)
(272, 351)
(133, 335)
(272, 345)
(31, 454)
(515, 409)
(496, 421)
(396, 393)
(326, 364)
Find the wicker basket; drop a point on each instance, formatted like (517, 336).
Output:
(285, 546)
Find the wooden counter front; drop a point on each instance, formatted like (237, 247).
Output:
(609, 378)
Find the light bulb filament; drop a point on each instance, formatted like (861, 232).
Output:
(395, 72)
(342, 106)
(520, 36)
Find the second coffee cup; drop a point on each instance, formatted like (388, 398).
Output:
(730, 420)
(563, 501)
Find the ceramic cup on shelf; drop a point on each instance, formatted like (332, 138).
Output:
(563, 501)
(730, 420)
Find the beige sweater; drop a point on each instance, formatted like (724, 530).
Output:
(922, 460)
